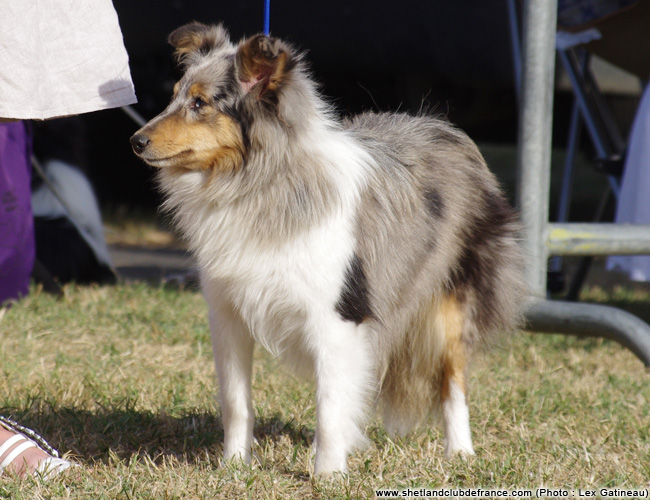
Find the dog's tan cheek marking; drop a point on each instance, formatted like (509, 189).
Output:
(215, 144)
(175, 135)
(219, 145)
(455, 351)
(231, 152)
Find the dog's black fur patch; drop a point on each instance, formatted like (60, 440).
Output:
(354, 301)
(435, 203)
(480, 261)
(239, 114)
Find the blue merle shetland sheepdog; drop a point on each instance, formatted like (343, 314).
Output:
(373, 253)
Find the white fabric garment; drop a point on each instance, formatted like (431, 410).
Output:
(634, 201)
(61, 57)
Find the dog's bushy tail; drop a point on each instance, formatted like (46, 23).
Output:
(484, 298)
(411, 385)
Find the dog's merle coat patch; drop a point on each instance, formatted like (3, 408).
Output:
(435, 203)
(354, 302)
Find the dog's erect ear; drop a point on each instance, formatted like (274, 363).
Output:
(262, 64)
(196, 39)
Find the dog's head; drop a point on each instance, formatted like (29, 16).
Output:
(224, 88)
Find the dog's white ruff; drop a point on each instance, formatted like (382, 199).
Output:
(284, 296)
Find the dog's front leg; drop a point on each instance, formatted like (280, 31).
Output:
(233, 354)
(343, 386)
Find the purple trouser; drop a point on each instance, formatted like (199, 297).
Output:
(17, 248)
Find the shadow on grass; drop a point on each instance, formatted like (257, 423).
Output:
(125, 432)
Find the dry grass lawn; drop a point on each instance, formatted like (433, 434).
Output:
(122, 379)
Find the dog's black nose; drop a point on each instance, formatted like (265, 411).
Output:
(139, 142)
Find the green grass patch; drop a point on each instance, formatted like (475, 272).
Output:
(122, 378)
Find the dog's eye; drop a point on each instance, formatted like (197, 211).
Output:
(197, 104)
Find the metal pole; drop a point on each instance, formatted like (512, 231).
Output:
(533, 183)
(134, 115)
(535, 123)
(598, 239)
(590, 320)
(564, 206)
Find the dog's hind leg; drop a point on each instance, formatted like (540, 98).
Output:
(455, 412)
(344, 382)
(233, 354)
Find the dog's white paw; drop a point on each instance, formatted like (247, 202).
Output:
(456, 449)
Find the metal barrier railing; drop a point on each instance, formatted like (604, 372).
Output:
(543, 239)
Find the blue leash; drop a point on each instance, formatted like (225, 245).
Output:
(267, 16)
